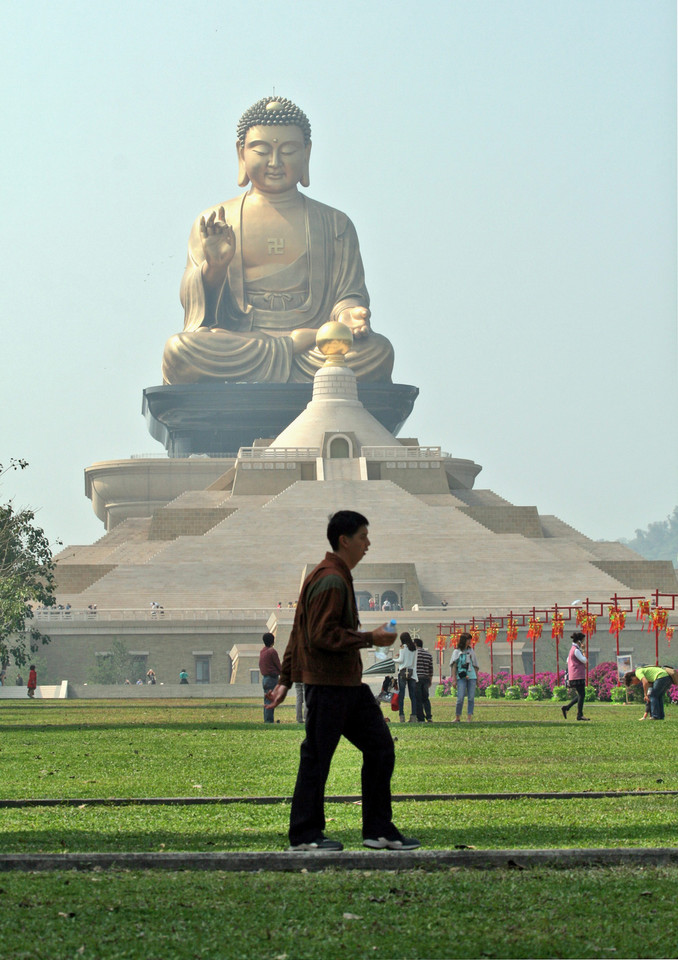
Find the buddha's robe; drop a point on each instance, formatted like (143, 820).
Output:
(243, 336)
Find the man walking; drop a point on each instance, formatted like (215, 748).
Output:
(324, 653)
(425, 675)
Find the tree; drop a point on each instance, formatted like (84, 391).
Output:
(26, 578)
(115, 666)
(659, 541)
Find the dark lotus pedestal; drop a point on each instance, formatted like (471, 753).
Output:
(219, 418)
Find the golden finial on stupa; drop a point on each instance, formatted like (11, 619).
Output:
(334, 340)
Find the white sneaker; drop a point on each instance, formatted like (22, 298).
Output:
(382, 843)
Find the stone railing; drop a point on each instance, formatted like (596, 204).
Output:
(132, 613)
(278, 453)
(403, 453)
(212, 455)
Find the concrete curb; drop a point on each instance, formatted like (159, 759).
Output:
(348, 798)
(284, 862)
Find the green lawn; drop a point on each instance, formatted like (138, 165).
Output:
(358, 915)
(125, 749)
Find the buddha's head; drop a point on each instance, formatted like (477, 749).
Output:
(274, 146)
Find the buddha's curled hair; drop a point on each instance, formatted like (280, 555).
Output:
(273, 111)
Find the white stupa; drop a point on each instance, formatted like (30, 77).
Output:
(335, 412)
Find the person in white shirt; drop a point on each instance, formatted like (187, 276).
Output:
(407, 676)
(464, 669)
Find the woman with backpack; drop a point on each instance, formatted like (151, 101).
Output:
(464, 669)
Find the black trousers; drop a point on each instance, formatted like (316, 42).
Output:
(351, 712)
(423, 700)
(578, 688)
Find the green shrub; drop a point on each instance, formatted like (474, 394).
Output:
(492, 691)
(590, 694)
(513, 693)
(559, 693)
(440, 691)
(535, 692)
(618, 695)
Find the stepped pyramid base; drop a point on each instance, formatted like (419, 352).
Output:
(224, 564)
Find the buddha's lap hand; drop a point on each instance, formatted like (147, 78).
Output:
(303, 339)
(218, 240)
(357, 319)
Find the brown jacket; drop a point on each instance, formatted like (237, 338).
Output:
(325, 643)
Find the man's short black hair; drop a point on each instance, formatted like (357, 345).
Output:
(418, 642)
(344, 523)
(268, 639)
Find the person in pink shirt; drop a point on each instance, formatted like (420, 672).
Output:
(576, 674)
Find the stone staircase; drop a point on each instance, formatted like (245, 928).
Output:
(255, 556)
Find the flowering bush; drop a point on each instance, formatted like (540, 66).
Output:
(604, 678)
(603, 685)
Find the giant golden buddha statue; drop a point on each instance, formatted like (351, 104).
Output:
(268, 268)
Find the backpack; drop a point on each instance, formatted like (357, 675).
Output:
(463, 664)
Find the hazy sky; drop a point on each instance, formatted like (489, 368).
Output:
(510, 166)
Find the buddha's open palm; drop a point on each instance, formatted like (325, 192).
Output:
(357, 319)
(218, 240)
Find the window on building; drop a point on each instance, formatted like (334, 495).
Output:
(202, 669)
(138, 667)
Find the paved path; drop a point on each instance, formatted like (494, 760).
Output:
(339, 798)
(284, 862)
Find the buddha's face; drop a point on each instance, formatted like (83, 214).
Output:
(274, 158)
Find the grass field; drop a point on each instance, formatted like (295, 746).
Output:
(89, 749)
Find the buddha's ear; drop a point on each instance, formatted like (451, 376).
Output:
(305, 175)
(243, 179)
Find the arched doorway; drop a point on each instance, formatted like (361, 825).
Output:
(392, 597)
(340, 449)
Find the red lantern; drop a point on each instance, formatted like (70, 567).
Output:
(535, 628)
(617, 620)
(659, 619)
(557, 625)
(643, 610)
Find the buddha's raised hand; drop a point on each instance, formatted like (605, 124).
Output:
(218, 240)
(357, 319)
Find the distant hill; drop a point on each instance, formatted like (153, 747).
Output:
(659, 541)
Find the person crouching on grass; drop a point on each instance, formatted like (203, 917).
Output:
(656, 681)
(323, 652)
